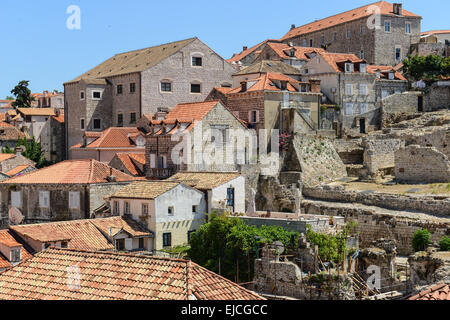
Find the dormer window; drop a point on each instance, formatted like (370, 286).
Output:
(363, 68)
(292, 53)
(349, 67)
(16, 255)
(283, 85)
(391, 75)
(378, 74)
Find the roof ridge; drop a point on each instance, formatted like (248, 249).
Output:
(159, 45)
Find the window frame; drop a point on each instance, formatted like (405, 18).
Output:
(126, 207)
(16, 255)
(365, 92)
(346, 105)
(44, 199)
(195, 84)
(194, 58)
(349, 92)
(93, 124)
(131, 118)
(71, 200)
(82, 124)
(167, 237)
(97, 91)
(20, 199)
(406, 27)
(119, 92)
(146, 211)
(165, 83)
(133, 87)
(170, 211)
(388, 23)
(82, 95)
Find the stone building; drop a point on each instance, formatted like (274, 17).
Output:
(12, 163)
(184, 140)
(381, 33)
(354, 85)
(47, 99)
(248, 55)
(12, 252)
(69, 190)
(10, 135)
(103, 146)
(130, 163)
(53, 137)
(260, 101)
(120, 90)
(170, 209)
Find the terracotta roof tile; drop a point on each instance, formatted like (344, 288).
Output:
(131, 161)
(145, 189)
(282, 50)
(17, 170)
(204, 180)
(37, 111)
(244, 53)
(7, 239)
(435, 32)
(85, 171)
(6, 156)
(436, 292)
(121, 223)
(386, 8)
(266, 66)
(193, 111)
(113, 276)
(268, 81)
(111, 138)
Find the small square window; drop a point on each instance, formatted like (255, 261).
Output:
(64, 244)
(170, 211)
(96, 95)
(97, 124)
(81, 95)
(119, 89)
(132, 87)
(141, 243)
(196, 61)
(195, 88)
(120, 244)
(194, 209)
(166, 87)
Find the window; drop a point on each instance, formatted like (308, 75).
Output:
(348, 110)
(384, 94)
(96, 95)
(349, 89)
(74, 199)
(363, 68)
(145, 209)
(304, 42)
(363, 89)
(167, 239)
(196, 61)
(132, 87)
(120, 244)
(82, 124)
(97, 124)
(141, 243)
(363, 108)
(170, 211)
(311, 42)
(362, 29)
(387, 26)
(253, 116)
(16, 199)
(349, 67)
(349, 34)
(195, 88)
(15, 255)
(362, 54)
(408, 28)
(44, 199)
(230, 197)
(391, 76)
(81, 95)
(322, 40)
(194, 209)
(64, 244)
(335, 36)
(119, 89)
(166, 87)
(132, 117)
(398, 54)
(116, 208)
(161, 162)
(119, 119)
(126, 207)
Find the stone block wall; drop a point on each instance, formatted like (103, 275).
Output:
(406, 102)
(380, 153)
(416, 164)
(437, 97)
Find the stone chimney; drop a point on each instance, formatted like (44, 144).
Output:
(398, 9)
(314, 85)
(244, 48)
(243, 86)
(111, 177)
(292, 26)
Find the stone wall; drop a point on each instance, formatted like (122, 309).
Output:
(9, 164)
(439, 206)
(437, 97)
(416, 164)
(380, 154)
(406, 102)
(375, 223)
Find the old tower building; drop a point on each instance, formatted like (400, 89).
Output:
(381, 33)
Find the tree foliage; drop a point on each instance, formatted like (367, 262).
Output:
(427, 68)
(32, 151)
(444, 244)
(227, 245)
(421, 240)
(22, 95)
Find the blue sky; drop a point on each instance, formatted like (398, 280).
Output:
(37, 46)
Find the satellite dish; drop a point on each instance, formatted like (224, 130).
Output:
(279, 246)
(15, 216)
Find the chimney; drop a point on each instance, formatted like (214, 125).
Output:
(314, 85)
(244, 48)
(292, 26)
(111, 177)
(243, 86)
(398, 9)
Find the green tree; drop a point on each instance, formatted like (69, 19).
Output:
(33, 152)
(22, 95)
(427, 68)
(421, 240)
(7, 149)
(444, 244)
(9, 98)
(228, 246)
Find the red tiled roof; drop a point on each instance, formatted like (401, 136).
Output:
(5, 124)
(6, 156)
(37, 111)
(267, 82)
(7, 239)
(129, 160)
(384, 71)
(115, 276)
(386, 8)
(239, 56)
(435, 32)
(112, 138)
(17, 170)
(437, 292)
(84, 171)
(282, 50)
(59, 118)
(191, 111)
